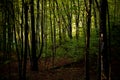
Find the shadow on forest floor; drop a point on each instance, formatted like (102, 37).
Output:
(65, 69)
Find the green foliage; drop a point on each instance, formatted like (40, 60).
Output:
(60, 52)
(72, 49)
(94, 45)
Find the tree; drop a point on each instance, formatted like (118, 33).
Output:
(77, 11)
(54, 33)
(103, 36)
(34, 57)
(26, 41)
(4, 19)
(88, 10)
(59, 22)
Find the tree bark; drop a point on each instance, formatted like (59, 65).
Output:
(88, 10)
(26, 41)
(103, 36)
(34, 57)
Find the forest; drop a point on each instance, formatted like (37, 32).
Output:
(59, 39)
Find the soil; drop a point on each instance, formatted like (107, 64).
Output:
(64, 69)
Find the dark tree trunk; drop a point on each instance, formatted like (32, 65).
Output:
(34, 57)
(77, 20)
(22, 25)
(26, 41)
(70, 27)
(11, 23)
(103, 36)
(4, 29)
(60, 34)
(69, 16)
(38, 27)
(109, 42)
(59, 23)
(88, 9)
(54, 33)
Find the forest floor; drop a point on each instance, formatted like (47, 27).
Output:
(64, 69)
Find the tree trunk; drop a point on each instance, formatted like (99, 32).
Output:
(54, 33)
(26, 41)
(59, 23)
(103, 36)
(88, 9)
(95, 18)
(109, 42)
(69, 17)
(4, 30)
(34, 57)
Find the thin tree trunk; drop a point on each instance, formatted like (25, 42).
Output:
(88, 9)
(103, 35)
(42, 30)
(26, 41)
(59, 22)
(95, 18)
(109, 42)
(38, 27)
(54, 33)
(69, 17)
(4, 31)
(18, 56)
(77, 21)
(11, 23)
(22, 25)
(34, 57)
(115, 10)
